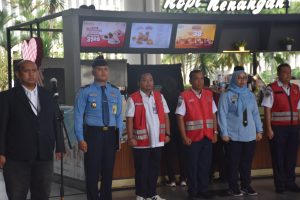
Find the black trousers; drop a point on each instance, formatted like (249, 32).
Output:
(240, 156)
(99, 162)
(147, 168)
(219, 159)
(174, 155)
(284, 148)
(20, 176)
(198, 163)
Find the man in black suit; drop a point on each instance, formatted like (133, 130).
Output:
(28, 134)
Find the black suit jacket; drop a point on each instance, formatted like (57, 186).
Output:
(25, 136)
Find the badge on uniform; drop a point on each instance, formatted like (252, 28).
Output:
(234, 98)
(114, 109)
(113, 95)
(180, 100)
(93, 105)
(267, 92)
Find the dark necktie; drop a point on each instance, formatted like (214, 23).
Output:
(105, 110)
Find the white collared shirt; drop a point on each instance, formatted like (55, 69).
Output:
(33, 97)
(268, 100)
(181, 108)
(152, 120)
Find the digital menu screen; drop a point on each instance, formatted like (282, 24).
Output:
(195, 36)
(103, 34)
(150, 35)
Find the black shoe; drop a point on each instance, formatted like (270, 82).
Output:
(293, 188)
(249, 191)
(235, 193)
(205, 195)
(279, 190)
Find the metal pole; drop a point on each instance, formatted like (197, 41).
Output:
(254, 63)
(31, 31)
(9, 71)
(38, 32)
(142, 59)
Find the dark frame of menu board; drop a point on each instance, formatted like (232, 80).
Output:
(110, 41)
(130, 48)
(208, 49)
(131, 35)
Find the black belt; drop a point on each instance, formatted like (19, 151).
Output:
(102, 128)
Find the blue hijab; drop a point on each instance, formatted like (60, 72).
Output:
(243, 93)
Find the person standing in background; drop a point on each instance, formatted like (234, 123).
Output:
(148, 129)
(281, 109)
(98, 108)
(197, 124)
(28, 134)
(240, 125)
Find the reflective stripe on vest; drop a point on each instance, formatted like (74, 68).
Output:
(140, 132)
(284, 116)
(198, 124)
(209, 123)
(141, 137)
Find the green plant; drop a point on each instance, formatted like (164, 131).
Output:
(287, 41)
(241, 43)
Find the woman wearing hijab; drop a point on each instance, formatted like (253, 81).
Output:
(241, 127)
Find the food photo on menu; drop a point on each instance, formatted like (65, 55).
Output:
(195, 36)
(103, 34)
(150, 35)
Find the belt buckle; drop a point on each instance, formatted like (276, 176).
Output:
(105, 128)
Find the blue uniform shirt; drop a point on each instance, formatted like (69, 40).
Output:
(232, 125)
(88, 108)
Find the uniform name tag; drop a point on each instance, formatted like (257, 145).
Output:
(234, 98)
(114, 109)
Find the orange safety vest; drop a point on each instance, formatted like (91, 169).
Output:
(199, 115)
(284, 111)
(140, 131)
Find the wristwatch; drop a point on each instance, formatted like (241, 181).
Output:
(168, 134)
(216, 132)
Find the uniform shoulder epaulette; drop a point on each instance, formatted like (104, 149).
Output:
(82, 87)
(114, 86)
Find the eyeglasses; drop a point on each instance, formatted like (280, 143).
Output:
(242, 78)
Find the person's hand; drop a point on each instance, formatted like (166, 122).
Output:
(83, 146)
(226, 138)
(270, 134)
(187, 141)
(58, 155)
(258, 137)
(132, 142)
(2, 161)
(215, 139)
(167, 139)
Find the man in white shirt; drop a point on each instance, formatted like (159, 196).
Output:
(197, 124)
(148, 128)
(282, 119)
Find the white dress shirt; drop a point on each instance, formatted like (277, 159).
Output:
(33, 98)
(268, 100)
(181, 108)
(152, 120)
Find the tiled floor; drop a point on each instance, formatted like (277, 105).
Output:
(263, 186)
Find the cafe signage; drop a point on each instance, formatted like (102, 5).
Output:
(255, 6)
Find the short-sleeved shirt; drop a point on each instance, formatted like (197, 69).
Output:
(181, 108)
(268, 99)
(152, 120)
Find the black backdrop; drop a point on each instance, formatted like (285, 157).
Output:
(167, 78)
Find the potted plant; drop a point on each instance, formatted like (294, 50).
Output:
(240, 45)
(288, 43)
